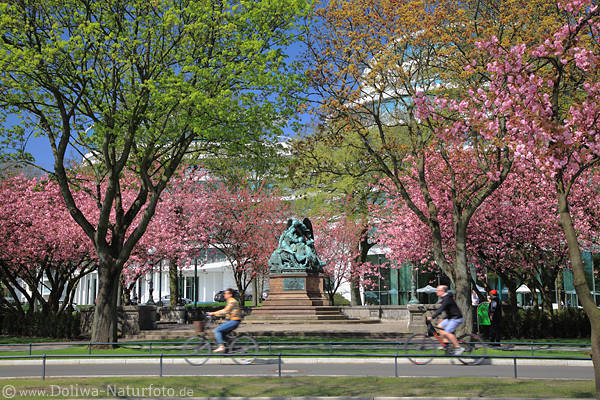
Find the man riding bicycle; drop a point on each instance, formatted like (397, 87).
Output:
(233, 315)
(453, 318)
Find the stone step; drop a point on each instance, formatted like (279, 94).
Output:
(297, 307)
(302, 317)
(287, 310)
(315, 322)
(299, 303)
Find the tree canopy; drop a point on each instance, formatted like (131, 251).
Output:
(135, 85)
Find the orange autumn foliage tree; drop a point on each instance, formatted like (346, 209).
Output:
(370, 59)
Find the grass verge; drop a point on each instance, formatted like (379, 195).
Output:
(294, 386)
(280, 347)
(28, 339)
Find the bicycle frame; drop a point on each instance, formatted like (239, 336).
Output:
(473, 353)
(242, 347)
(434, 332)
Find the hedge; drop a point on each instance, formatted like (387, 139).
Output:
(39, 324)
(536, 324)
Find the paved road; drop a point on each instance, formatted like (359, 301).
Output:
(291, 368)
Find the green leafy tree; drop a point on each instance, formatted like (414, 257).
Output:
(135, 86)
(253, 165)
(332, 175)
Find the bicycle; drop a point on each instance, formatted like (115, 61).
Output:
(432, 343)
(242, 347)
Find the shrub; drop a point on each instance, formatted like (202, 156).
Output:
(537, 324)
(64, 325)
(340, 300)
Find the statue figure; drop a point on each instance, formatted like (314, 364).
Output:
(296, 250)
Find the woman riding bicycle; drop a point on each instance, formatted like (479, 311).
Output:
(453, 318)
(233, 315)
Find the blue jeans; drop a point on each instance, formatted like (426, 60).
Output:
(225, 328)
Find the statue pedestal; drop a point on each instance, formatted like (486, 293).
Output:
(295, 296)
(296, 289)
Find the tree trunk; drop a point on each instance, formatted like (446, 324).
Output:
(546, 299)
(364, 247)
(580, 283)
(173, 283)
(547, 278)
(255, 291)
(512, 295)
(463, 299)
(535, 298)
(261, 287)
(120, 294)
(559, 289)
(104, 329)
(462, 279)
(355, 299)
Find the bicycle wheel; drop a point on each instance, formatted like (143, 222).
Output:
(196, 350)
(243, 349)
(420, 343)
(474, 348)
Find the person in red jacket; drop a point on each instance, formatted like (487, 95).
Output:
(495, 313)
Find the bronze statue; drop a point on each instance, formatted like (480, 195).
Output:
(296, 250)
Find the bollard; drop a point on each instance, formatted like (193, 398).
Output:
(515, 366)
(396, 365)
(150, 347)
(29, 348)
(44, 367)
(161, 365)
(90, 348)
(279, 362)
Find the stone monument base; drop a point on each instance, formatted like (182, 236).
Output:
(295, 296)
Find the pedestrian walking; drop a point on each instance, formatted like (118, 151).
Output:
(495, 314)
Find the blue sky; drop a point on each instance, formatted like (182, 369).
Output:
(39, 148)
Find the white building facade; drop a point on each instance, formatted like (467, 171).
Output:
(211, 276)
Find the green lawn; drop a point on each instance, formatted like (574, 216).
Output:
(585, 341)
(294, 386)
(175, 347)
(288, 345)
(26, 340)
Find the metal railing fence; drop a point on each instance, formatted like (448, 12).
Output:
(279, 356)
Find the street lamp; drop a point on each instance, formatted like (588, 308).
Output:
(151, 283)
(160, 302)
(379, 286)
(195, 282)
(151, 286)
(413, 286)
